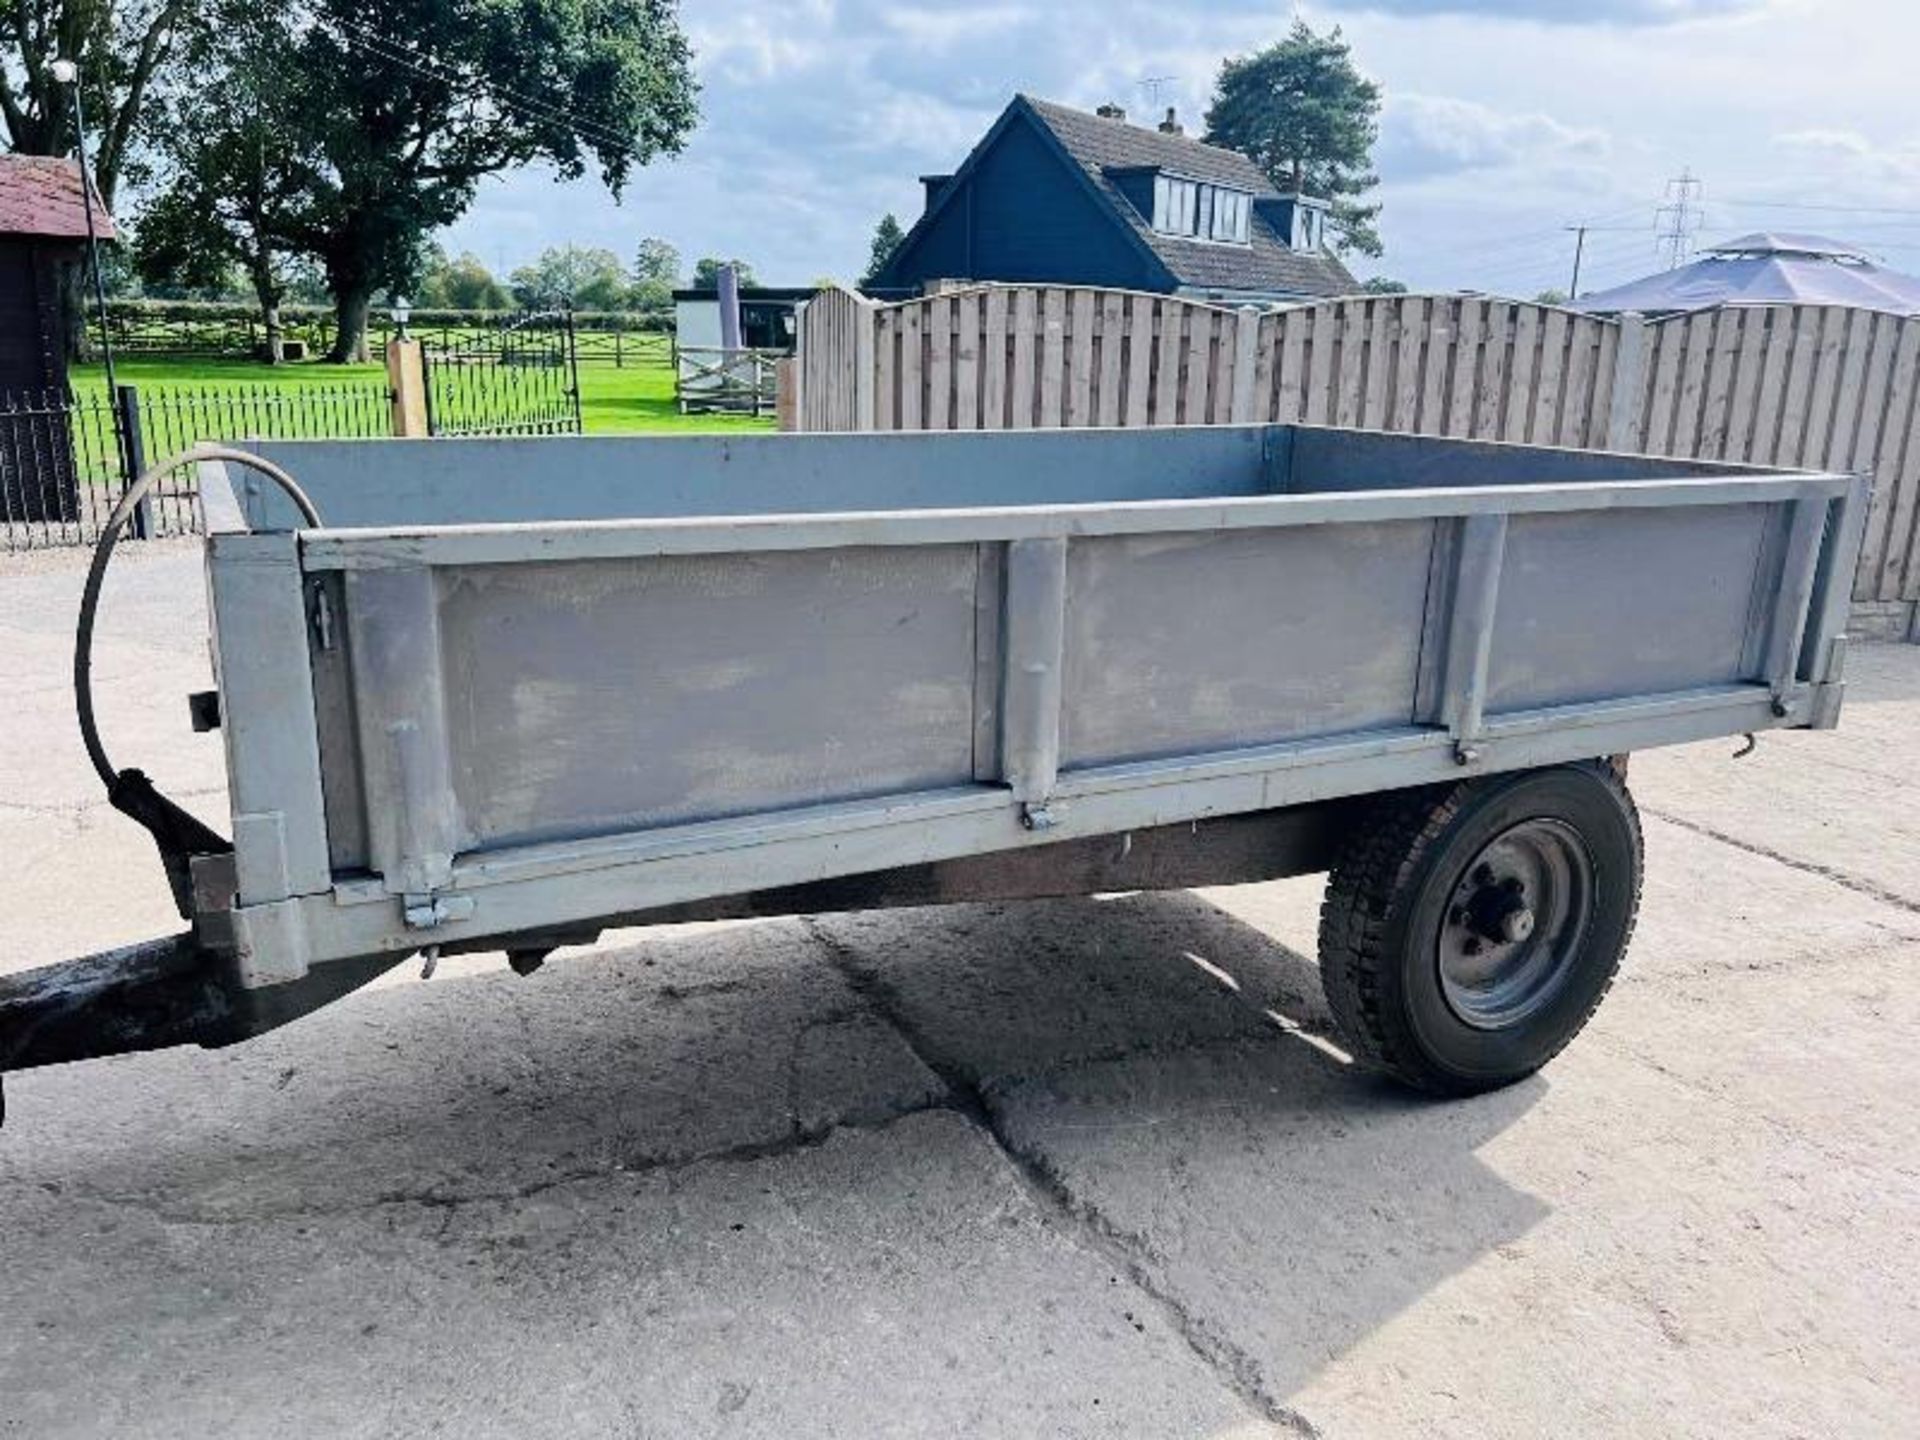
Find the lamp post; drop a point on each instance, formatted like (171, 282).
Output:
(65, 72)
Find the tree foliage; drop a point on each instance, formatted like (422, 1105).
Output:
(393, 111)
(125, 52)
(1381, 285)
(887, 236)
(706, 272)
(242, 171)
(571, 277)
(1307, 117)
(462, 283)
(656, 273)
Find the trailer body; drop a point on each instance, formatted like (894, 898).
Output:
(515, 690)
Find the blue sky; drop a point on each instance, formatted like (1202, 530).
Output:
(1505, 121)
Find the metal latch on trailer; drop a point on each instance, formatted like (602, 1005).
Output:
(428, 912)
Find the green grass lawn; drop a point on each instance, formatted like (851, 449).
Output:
(630, 400)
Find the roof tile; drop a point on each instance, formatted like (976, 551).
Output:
(1267, 264)
(40, 195)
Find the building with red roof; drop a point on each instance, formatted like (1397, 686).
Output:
(43, 235)
(43, 230)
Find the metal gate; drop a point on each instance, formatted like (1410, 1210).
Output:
(518, 378)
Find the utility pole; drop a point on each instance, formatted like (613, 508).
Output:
(1579, 248)
(1682, 217)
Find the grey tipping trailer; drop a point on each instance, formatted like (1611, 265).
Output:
(506, 693)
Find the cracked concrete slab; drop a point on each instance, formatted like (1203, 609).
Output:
(891, 1282)
(1846, 803)
(681, 1046)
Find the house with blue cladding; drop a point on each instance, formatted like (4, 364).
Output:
(1052, 195)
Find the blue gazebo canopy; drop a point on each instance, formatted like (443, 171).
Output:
(1765, 269)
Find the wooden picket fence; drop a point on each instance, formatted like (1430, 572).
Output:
(1795, 385)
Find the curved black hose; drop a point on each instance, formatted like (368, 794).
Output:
(103, 552)
(179, 835)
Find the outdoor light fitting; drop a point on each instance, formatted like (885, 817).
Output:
(401, 309)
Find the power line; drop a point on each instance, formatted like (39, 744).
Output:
(1682, 217)
(1831, 209)
(442, 72)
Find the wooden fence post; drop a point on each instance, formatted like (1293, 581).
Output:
(1246, 365)
(786, 392)
(863, 360)
(407, 381)
(1626, 405)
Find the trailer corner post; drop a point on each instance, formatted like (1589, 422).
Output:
(1478, 559)
(1786, 627)
(1034, 617)
(394, 617)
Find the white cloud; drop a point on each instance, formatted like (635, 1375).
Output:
(1504, 119)
(1427, 136)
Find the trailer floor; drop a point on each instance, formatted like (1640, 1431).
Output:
(1085, 1168)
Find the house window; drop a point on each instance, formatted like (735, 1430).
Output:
(1208, 212)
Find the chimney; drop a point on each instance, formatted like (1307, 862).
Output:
(1171, 125)
(1111, 111)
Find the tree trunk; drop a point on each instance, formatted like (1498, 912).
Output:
(76, 282)
(268, 294)
(350, 329)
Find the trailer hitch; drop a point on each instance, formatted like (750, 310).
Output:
(153, 996)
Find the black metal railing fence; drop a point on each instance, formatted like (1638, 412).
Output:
(67, 454)
(521, 378)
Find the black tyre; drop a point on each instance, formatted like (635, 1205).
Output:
(1470, 930)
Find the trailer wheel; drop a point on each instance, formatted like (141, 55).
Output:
(1469, 931)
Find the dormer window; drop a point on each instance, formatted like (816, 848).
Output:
(1205, 212)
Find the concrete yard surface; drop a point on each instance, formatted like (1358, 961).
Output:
(1083, 1168)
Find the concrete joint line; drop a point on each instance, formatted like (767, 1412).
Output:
(1805, 867)
(1127, 1252)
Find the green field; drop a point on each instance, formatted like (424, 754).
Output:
(629, 400)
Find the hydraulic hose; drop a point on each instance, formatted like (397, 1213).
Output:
(103, 552)
(179, 834)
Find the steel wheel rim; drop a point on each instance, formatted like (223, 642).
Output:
(1514, 923)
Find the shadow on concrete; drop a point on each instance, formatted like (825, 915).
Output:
(1165, 1071)
(1124, 1055)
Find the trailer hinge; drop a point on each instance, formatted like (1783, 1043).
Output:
(427, 912)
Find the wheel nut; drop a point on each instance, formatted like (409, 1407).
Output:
(1517, 926)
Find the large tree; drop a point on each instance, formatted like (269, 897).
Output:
(1307, 116)
(571, 277)
(656, 272)
(243, 171)
(123, 48)
(406, 105)
(419, 100)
